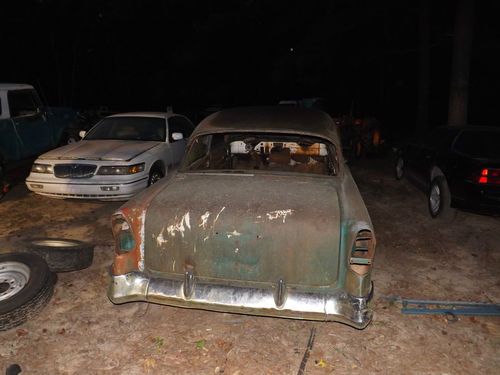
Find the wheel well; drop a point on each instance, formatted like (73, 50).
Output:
(436, 171)
(158, 165)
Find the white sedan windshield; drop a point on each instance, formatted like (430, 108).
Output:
(129, 128)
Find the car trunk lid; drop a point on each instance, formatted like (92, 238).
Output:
(247, 228)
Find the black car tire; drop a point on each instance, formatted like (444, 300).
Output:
(62, 255)
(399, 168)
(439, 199)
(26, 286)
(155, 175)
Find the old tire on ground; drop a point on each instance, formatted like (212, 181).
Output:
(62, 255)
(439, 199)
(26, 285)
(399, 168)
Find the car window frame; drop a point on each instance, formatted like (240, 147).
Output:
(34, 98)
(332, 148)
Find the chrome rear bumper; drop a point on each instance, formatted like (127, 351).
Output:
(277, 300)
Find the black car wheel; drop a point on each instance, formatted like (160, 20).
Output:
(26, 285)
(439, 199)
(62, 255)
(155, 175)
(399, 168)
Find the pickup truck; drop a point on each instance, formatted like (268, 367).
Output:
(27, 127)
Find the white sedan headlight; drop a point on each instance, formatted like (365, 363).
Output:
(42, 168)
(121, 170)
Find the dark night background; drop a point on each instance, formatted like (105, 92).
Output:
(145, 55)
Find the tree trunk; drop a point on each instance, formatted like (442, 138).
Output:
(424, 68)
(462, 46)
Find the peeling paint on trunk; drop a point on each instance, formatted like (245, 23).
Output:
(217, 217)
(204, 219)
(180, 226)
(234, 233)
(160, 240)
(279, 214)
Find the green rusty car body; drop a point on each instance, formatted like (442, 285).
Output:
(263, 217)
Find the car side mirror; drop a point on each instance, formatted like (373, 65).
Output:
(177, 136)
(82, 133)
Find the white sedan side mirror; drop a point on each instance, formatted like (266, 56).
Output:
(82, 133)
(177, 136)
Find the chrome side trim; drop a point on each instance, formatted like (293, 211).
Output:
(190, 292)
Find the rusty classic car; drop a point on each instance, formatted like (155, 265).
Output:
(263, 218)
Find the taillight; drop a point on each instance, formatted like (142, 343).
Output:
(489, 176)
(362, 252)
(122, 233)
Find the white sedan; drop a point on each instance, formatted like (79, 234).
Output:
(121, 155)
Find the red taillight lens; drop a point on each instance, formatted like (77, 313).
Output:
(489, 176)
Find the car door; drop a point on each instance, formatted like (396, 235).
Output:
(178, 124)
(30, 123)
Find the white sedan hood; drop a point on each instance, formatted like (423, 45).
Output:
(115, 150)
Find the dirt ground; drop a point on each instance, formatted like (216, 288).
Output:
(81, 332)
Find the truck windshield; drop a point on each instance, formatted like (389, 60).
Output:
(261, 152)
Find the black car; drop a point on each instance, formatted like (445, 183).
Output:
(459, 167)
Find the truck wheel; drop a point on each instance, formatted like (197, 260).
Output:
(439, 199)
(26, 285)
(62, 255)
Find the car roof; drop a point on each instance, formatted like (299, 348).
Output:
(270, 119)
(15, 86)
(145, 114)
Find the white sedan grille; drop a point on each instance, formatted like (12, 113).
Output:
(74, 170)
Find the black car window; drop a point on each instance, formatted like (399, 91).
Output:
(482, 144)
(441, 138)
(179, 124)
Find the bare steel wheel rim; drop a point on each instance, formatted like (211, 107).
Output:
(435, 199)
(399, 168)
(13, 278)
(155, 177)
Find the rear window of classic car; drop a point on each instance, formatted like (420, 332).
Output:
(479, 144)
(261, 152)
(130, 128)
